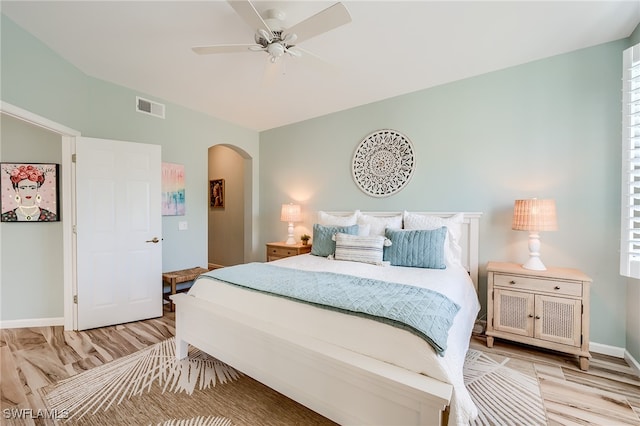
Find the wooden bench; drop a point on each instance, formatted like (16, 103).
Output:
(174, 278)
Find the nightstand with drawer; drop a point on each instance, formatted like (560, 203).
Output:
(548, 309)
(281, 250)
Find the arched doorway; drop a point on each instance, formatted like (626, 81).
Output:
(230, 218)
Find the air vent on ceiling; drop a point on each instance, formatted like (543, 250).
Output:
(149, 107)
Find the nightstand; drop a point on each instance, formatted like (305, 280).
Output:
(281, 250)
(548, 309)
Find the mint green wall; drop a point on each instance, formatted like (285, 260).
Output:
(185, 137)
(634, 38)
(36, 79)
(550, 128)
(31, 259)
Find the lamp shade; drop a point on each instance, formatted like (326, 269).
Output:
(534, 215)
(290, 213)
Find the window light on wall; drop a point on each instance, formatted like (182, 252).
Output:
(630, 212)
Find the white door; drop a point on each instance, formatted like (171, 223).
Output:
(118, 232)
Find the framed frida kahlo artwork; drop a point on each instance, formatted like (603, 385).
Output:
(29, 192)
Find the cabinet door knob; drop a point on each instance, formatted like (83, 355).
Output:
(512, 282)
(530, 316)
(557, 287)
(537, 316)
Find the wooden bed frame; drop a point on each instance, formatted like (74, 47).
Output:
(344, 386)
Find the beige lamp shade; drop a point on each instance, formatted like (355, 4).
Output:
(534, 215)
(290, 213)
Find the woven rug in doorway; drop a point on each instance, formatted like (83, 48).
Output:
(151, 387)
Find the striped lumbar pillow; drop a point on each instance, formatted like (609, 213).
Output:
(358, 248)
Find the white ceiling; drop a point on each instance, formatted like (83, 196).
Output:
(390, 48)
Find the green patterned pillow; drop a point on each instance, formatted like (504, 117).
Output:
(416, 248)
(323, 244)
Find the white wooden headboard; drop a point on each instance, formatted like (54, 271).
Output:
(469, 241)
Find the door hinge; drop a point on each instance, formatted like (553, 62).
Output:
(74, 229)
(75, 299)
(73, 158)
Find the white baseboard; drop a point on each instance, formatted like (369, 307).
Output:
(599, 348)
(35, 322)
(632, 362)
(617, 352)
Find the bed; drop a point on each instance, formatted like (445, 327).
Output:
(351, 369)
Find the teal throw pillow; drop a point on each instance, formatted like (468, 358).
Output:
(416, 248)
(323, 244)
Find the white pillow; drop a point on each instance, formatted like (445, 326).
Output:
(453, 251)
(364, 230)
(378, 224)
(327, 219)
(356, 248)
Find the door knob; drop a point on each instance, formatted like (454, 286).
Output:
(154, 241)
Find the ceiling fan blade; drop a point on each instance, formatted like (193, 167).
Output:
(316, 62)
(248, 12)
(223, 48)
(326, 20)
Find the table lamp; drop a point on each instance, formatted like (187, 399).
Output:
(534, 216)
(290, 213)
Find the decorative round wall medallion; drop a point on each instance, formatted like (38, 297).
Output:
(383, 163)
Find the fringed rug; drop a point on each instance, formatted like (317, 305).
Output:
(503, 396)
(151, 387)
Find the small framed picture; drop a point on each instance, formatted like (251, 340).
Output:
(29, 192)
(216, 192)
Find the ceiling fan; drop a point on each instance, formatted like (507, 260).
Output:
(271, 38)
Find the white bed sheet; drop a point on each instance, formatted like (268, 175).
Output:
(372, 338)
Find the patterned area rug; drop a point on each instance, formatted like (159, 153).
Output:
(503, 396)
(151, 387)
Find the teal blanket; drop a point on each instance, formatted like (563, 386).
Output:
(421, 311)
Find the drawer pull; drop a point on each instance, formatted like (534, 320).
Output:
(557, 287)
(530, 316)
(512, 282)
(537, 316)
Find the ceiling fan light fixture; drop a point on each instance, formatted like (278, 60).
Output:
(269, 35)
(275, 50)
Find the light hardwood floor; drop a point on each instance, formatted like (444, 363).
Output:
(32, 358)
